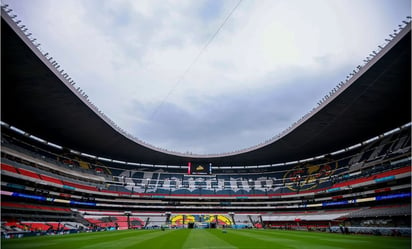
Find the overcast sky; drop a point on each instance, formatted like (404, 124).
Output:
(170, 74)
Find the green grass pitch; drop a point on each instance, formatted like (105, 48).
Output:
(207, 238)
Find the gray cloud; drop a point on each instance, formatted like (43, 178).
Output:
(234, 120)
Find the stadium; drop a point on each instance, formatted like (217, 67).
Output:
(339, 177)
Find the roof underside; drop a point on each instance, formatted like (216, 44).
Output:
(36, 100)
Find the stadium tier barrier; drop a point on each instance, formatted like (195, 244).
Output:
(69, 184)
(297, 179)
(358, 160)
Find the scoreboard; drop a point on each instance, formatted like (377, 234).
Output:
(199, 169)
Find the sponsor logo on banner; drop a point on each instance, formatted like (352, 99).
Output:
(307, 177)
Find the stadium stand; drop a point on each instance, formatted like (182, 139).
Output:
(47, 189)
(321, 193)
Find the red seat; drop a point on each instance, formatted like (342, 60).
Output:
(8, 168)
(28, 173)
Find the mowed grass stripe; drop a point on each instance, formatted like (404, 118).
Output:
(210, 238)
(111, 239)
(136, 240)
(294, 241)
(363, 241)
(172, 239)
(251, 235)
(204, 239)
(302, 239)
(63, 241)
(244, 241)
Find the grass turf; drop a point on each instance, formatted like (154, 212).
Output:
(211, 238)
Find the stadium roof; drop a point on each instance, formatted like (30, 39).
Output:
(38, 98)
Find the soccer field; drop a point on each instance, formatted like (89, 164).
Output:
(210, 238)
